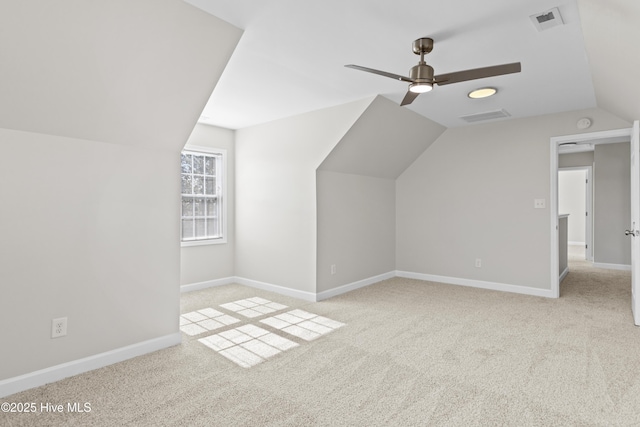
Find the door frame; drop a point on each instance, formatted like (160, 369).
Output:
(603, 137)
(635, 219)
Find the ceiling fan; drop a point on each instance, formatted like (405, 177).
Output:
(421, 78)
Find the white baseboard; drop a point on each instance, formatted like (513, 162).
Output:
(75, 367)
(320, 296)
(303, 295)
(604, 265)
(503, 287)
(306, 296)
(208, 284)
(564, 274)
(353, 286)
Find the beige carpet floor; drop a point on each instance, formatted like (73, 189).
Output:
(411, 353)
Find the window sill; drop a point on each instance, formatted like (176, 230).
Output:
(203, 242)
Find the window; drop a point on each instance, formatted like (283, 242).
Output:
(202, 219)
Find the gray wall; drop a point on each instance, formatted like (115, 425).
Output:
(89, 167)
(356, 228)
(575, 159)
(276, 221)
(612, 207)
(470, 195)
(209, 262)
(90, 232)
(356, 192)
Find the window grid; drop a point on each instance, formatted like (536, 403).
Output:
(201, 196)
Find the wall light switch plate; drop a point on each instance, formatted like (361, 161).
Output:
(539, 204)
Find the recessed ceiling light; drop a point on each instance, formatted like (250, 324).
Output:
(482, 92)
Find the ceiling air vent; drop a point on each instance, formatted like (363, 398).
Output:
(489, 115)
(545, 20)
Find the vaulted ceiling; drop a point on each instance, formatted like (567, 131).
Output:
(141, 73)
(291, 56)
(383, 142)
(123, 72)
(611, 32)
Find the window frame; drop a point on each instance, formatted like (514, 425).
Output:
(221, 177)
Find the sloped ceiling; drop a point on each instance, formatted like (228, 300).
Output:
(119, 71)
(383, 142)
(291, 57)
(612, 32)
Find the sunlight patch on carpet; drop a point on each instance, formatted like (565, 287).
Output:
(207, 319)
(247, 345)
(253, 307)
(302, 324)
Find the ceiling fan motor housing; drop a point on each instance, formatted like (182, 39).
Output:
(421, 73)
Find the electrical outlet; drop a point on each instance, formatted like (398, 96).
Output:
(333, 269)
(59, 327)
(478, 262)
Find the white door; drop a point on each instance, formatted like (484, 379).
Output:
(635, 223)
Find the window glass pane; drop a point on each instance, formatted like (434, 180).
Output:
(187, 229)
(198, 185)
(200, 228)
(187, 206)
(186, 184)
(212, 227)
(210, 165)
(212, 207)
(186, 163)
(210, 185)
(199, 207)
(201, 201)
(198, 164)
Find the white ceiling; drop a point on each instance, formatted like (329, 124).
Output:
(611, 34)
(292, 54)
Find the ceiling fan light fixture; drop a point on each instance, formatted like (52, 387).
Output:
(483, 92)
(420, 87)
(421, 77)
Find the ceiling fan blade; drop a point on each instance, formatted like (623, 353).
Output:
(409, 98)
(477, 73)
(381, 73)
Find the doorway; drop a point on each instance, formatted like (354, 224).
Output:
(575, 195)
(578, 141)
